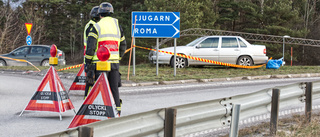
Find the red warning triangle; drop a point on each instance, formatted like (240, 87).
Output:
(28, 27)
(50, 95)
(79, 82)
(99, 104)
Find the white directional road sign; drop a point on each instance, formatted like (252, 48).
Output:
(155, 24)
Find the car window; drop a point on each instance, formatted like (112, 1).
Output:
(21, 51)
(210, 43)
(242, 44)
(191, 44)
(38, 50)
(229, 43)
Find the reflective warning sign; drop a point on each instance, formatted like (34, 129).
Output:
(79, 82)
(50, 95)
(99, 104)
(28, 27)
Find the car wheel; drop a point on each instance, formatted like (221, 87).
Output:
(180, 62)
(45, 63)
(3, 63)
(245, 61)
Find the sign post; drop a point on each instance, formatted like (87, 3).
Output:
(28, 27)
(156, 25)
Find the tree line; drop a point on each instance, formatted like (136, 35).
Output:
(61, 22)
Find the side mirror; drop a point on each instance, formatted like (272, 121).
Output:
(198, 46)
(13, 54)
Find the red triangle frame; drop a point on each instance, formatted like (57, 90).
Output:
(50, 95)
(84, 115)
(79, 81)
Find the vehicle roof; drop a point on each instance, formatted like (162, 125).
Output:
(37, 45)
(48, 46)
(220, 36)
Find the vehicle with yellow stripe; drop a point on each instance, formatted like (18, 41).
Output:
(226, 49)
(36, 54)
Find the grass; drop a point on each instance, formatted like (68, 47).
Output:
(147, 72)
(294, 126)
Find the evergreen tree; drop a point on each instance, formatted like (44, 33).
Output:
(62, 22)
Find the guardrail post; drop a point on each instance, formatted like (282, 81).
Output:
(274, 112)
(308, 105)
(170, 122)
(234, 128)
(85, 132)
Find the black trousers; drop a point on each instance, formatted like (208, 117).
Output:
(114, 82)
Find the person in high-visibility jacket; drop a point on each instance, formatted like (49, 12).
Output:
(94, 18)
(107, 32)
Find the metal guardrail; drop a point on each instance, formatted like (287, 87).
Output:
(197, 117)
(316, 90)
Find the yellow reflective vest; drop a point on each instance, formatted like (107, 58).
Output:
(85, 37)
(109, 36)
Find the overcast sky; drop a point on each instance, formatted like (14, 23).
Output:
(14, 4)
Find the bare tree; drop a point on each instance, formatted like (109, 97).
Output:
(34, 14)
(261, 6)
(8, 27)
(311, 16)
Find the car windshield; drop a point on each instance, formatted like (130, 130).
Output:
(191, 44)
(21, 51)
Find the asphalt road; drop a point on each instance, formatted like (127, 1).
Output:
(16, 91)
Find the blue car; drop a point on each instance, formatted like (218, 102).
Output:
(38, 55)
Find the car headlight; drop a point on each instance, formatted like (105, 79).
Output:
(154, 53)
